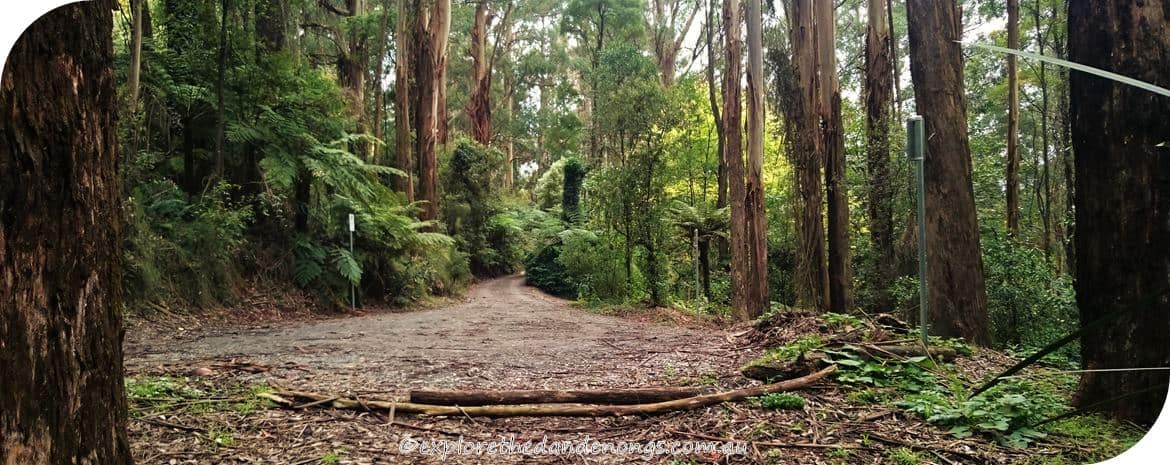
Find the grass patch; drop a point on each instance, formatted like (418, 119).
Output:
(150, 395)
(789, 352)
(781, 401)
(904, 456)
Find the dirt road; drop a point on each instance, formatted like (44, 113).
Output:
(503, 335)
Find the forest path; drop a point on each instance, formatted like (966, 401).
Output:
(502, 335)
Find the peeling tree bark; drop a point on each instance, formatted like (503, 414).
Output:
(878, 96)
(432, 26)
(61, 396)
(811, 274)
(479, 110)
(833, 145)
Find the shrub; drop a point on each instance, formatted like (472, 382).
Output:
(1030, 305)
(180, 248)
(546, 273)
(549, 189)
(473, 212)
(596, 263)
(571, 191)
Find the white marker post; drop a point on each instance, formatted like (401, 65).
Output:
(352, 287)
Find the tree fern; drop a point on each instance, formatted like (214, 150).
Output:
(347, 266)
(307, 263)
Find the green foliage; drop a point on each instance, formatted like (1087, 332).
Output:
(308, 262)
(710, 223)
(294, 167)
(1005, 412)
(583, 264)
(571, 192)
(152, 387)
(1029, 304)
(473, 211)
(548, 193)
(782, 401)
(788, 352)
(544, 271)
(181, 247)
(596, 265)
(904, 456)
(908, 375)
(935, 393)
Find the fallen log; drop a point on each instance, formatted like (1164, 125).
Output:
(945, 354)
(811, 361)
(287, 398)
(544, 396)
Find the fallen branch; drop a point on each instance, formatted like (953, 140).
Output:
(556, 410)
(584, 396)
(945, 354)
(810, 361)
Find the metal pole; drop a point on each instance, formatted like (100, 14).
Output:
(699, 297)
(352, 287)
(915, 150)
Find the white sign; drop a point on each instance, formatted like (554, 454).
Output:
(351, 225)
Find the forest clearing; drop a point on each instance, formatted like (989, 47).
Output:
(641, 231)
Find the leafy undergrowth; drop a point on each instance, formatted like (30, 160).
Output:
(1011, 414)
(208, 410)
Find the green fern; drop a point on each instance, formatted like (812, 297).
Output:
(307, 266)
(347, 266)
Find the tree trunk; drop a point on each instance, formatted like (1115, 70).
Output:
(721, 172)
(668, 38)
(733, 156)
(351, 74)
(135, 72)
(270, 25)
(432, 28)
(402, 108)
(510, 152)
(62, 398)
(812, 278)
(1013, 137)
(379, 72)
(879, 83)
(958, 298)
(221, 70)
(1044, 186)
(479, 110)
(833, 143)
(1119, 134)
(757, 301)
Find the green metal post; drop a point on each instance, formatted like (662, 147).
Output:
(915, 150)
